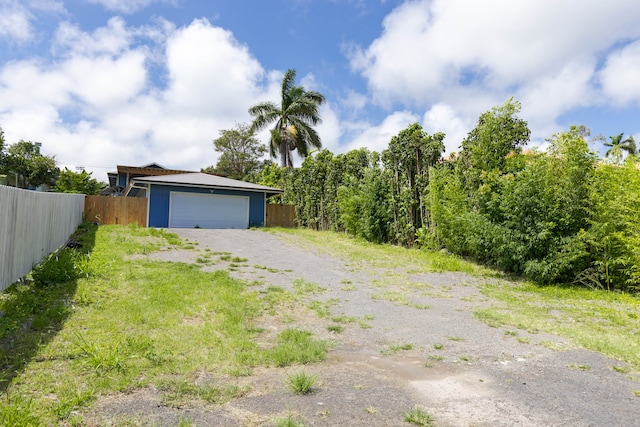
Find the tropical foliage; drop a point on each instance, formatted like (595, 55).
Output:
(559, 216)
(78, 182)
(294, 120)
(24, 160)
(240, 152)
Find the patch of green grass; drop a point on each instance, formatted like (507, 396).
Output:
(302, 286)
(348, 288)
(338, 329)
(396, 348)
(296, 346)
(621, 369)
(399, 298)
(288, 421)
(418, 417)
(580, 367)
(523, 340)
(323, 308)
(636, 393)
(369, 317)
(594, 319)
(178, 392)
(438, 346)
(386, 257)
(301, 383)
(344, 319)
(455, 338)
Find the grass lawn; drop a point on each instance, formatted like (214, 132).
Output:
(102, 321)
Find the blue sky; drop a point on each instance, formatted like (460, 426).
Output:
(107, 82)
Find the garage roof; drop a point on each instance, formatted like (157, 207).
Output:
(206, 180)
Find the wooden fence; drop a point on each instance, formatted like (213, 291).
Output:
(130, 210)
(116, 210)
(281, 216)
(33, 225)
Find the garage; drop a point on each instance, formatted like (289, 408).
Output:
(193, 210)
(200, 200)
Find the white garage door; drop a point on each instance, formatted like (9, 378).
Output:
(189, 210)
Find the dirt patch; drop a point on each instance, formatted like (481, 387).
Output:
(458, 369)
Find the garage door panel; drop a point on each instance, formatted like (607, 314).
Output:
(189, 210)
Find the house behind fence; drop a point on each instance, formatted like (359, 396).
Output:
(33, 225)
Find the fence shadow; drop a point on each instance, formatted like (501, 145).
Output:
(32, 314)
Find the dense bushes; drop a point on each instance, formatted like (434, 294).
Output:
(555, 217)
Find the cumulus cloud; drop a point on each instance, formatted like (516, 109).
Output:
(442, 118)
(376, 137)
(127, 6)
(620, 77)
(15, 22)
(94, 104)
(457, 51)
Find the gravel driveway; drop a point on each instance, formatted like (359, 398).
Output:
(461, 371)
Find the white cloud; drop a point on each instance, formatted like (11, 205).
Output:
(620, 77)
(15, 21)
(459, 52)
(92, 105)
(127, 6)
(442, 118)
(377, 137)
(113, 39)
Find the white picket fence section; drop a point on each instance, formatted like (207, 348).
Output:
(32, 226)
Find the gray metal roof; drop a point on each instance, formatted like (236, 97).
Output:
(199, 179)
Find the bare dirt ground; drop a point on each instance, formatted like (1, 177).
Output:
(461, 371)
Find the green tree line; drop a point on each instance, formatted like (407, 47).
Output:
(560, 216)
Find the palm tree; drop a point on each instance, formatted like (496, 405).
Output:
(617, 145)
(295, 118)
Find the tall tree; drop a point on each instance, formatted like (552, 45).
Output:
(295, 117)
(498, 133)
(618, 145)
(240, 152)
(33, 168)
(80, 183)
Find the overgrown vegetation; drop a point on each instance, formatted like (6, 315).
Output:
(560, 216)
(96, 320)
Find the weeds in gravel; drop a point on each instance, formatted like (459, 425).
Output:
(301, 383)
(288, 421)
(336, 329)
(178, 392)
(387, 257)
(597, 320)
(418, 417)
(304, 287)
(396, 348)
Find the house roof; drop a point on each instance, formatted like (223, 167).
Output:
(199, 179)
(151, 169)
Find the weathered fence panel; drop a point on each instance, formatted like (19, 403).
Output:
(116, 210)
(33, 225)
(281, 216)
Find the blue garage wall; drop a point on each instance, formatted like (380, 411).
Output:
(159, 203)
